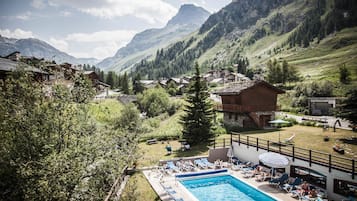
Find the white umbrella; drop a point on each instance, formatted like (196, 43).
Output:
(279, 121)
(274, 160)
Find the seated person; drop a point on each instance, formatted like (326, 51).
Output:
(303, 190)
(312, 193)
(168, 149)
(257, 170)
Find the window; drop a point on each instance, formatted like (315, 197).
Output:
(230, 115)
(311, 176)
(345, 188)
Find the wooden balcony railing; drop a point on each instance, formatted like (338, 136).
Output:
(245, 108)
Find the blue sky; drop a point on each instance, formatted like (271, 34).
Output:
(89, 28)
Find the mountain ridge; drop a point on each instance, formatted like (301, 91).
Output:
(144, 44)
(258, 30)
(40, 49)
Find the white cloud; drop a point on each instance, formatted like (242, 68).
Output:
(102, 36)
(38, 4)
(153, 11)
(99, 44)
(24, 16)
(17, 33)
(59, 44)
(66, 13)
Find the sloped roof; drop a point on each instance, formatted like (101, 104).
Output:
(237, 87)
(9, 65)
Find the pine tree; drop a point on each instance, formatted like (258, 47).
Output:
(348, 110)
(125, 84)
(137, 85)
(197, 121)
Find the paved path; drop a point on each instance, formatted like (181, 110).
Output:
(330, 119)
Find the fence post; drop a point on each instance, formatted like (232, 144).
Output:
(214, 144)
(257, 144)
(293, 153)
(310, 157)
(279, 147)
(239, 139)
(353, 169)
(268, 145)
(329, 163)
(231, 139)
(247, 141)
(224, 143)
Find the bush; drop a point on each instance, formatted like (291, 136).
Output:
(154, 101)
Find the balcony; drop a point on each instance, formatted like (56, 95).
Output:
(244, 108)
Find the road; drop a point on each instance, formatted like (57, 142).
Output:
(330, 119)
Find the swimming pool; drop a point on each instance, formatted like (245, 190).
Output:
(223, 188)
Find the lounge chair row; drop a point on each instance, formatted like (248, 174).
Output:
(188, 166)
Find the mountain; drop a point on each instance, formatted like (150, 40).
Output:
(188, 19)
(316, 36)
(40, 49)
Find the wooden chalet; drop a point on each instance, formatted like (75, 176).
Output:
(249, 104)
(97, 84)
(7, 66)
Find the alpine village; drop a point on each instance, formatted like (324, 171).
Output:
(251, 100)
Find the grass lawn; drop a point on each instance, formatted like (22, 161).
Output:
(308, 137)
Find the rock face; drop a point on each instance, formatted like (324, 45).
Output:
(188, 19)
(40, 49)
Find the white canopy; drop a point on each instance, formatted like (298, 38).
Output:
(274, 160)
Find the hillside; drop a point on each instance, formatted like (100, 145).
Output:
(312, 35)
(40, 49)
(188, 19)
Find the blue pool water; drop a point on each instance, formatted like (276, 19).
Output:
(223, 188)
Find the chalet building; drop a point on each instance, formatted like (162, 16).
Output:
(14, 56)
(94, 78)
(148, 84)
(322, 105)
(7, 66)
(249, 104)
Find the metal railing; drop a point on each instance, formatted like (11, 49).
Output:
(311, 156)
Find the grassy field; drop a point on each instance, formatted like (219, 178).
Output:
(104, 111)
(308, 138)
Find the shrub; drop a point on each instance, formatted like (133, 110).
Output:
(154, 101)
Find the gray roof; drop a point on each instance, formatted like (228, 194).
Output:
(237, 87)
(9, 65)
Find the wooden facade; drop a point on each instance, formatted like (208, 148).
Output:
(249, 104)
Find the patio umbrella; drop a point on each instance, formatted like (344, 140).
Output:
(274, 160)
(279, 122)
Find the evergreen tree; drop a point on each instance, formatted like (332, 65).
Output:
(137, 85)
(110, 79)
(344, 75)
(125, 84)
(197, 121)
(348, 109)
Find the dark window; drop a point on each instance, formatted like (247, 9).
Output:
(230, 115)
(345, 188)
(309, 175)
(236, 117)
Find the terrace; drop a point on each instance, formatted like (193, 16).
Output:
(168, 187)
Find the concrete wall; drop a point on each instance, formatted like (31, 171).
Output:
(245, 153)
(217, 154)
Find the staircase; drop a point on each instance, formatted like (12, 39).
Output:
(253, 116)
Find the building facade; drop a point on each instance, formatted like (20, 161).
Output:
(249, 104)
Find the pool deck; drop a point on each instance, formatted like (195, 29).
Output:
(163, 184)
